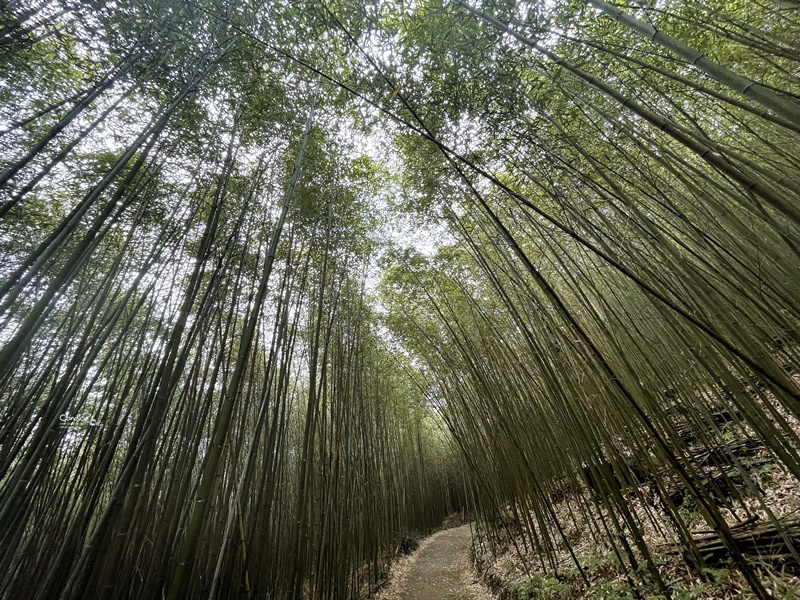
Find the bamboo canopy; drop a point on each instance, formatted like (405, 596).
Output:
(284, 284)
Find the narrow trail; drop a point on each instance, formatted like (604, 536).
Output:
(441, 570)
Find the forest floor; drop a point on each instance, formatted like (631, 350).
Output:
(440, 569)
(515, 577)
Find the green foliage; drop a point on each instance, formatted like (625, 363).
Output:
(531, 258)
(543, 589)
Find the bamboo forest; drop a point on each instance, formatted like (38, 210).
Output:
(399, 299)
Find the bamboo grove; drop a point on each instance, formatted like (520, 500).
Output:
(228, 371)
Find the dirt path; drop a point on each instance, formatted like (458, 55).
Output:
(439, 570)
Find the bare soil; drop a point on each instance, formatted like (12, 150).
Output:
(440, 569)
